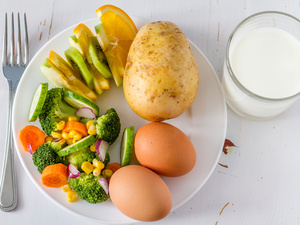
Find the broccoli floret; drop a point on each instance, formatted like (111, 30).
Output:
(108, 126)
(54, 110)
(79, 157)
(88, 188)
(83, 155)
(46, 155)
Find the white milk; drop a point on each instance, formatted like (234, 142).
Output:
(266, 62)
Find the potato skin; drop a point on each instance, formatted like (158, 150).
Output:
(161, 75)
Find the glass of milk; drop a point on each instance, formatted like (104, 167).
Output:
(261, 74)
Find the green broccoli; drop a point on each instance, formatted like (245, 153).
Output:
(83, 155)
(54, 110)
(79, 157)
(46, 155)
(108, 126)
(88, 188)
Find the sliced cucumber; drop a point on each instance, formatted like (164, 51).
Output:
(37, 102)
(83, 143)
(78, 63)
(77, 101)
(127, 145)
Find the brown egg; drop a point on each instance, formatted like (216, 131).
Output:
(164, 149)
(140, 193)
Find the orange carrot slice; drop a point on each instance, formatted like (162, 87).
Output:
(55, 175)
(77, 126)
(31, 135)
(113, 167)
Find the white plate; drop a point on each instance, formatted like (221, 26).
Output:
(204, 123)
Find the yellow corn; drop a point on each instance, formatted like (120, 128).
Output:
(89, 123)
(87, 167)
(72, 118)
(107, 173)
(72, 133)
(66, 188)
(77, 136)
(62, 141)
(48, 138)
(96, 172)
(65, 135)
(92, 130)
(60, 125)
(55, 134)
(72, 196)
(98, 164)
(69, 141)
(93, 148)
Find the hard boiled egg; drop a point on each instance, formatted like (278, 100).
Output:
(140, 193)
(164, 149)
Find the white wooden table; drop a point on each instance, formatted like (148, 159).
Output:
(262, 182)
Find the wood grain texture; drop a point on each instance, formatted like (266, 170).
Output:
(262, 182)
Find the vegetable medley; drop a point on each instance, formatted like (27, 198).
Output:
(71, 149)
(74, 154)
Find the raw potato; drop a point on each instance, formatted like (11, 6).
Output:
(161, 75)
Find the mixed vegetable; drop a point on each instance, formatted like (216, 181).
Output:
(72, 151)
(71, 147)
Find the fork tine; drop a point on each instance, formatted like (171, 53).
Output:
(26, 47)
(4, 54)
(12, 43)
(19, 44)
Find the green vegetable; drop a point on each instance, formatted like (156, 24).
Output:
(54, 110)
(37, 102)
(77, 61)
(77, 101)
(46, 155)
(127, 145)
(82, 143)
(108, 126)
(81, 156)
(88, 188)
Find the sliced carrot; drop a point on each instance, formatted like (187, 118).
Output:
(55, 175)
(31, 135)
(113, 167)
(77, 126)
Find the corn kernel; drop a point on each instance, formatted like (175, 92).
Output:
(62, 141)
(98, 164)
(60, 125)
(107, 173)
(66, 188)
(92, 130)
(69, 141)
(65, 135)
(55, 134)
(89, 123)
(72, 133)
(48, 138)
(93, 148)
(72, 119)
(87, 167)
(96, 172)
(72, 196)
(77, 136)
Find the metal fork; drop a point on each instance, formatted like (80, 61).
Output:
(13, 65)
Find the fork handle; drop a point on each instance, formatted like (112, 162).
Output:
(8, 189)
